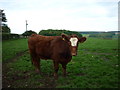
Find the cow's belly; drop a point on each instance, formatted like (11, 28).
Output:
(44, 57)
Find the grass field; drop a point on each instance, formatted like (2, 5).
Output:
(95, 66)
(12, 47)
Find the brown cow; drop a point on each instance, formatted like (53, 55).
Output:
(58, 48)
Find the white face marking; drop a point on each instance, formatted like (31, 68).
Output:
(73, 41)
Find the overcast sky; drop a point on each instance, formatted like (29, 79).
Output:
(74, 15)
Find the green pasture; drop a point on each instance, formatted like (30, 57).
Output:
(11, 48)
(95, 66)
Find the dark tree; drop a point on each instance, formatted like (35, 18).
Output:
(5, 28)
(28, 33)
(4, 17)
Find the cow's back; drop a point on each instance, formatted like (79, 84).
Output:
(41, 45)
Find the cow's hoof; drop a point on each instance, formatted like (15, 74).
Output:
(64, 76)
(55, 76)
(38, 71)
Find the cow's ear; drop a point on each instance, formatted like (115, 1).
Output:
(82, 39)
(65, 37)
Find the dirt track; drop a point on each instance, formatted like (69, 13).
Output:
(9, 81)
(6, 81)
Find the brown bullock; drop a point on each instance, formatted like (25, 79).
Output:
(58, 48)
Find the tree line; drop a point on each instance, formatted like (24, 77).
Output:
(58, 32)
(52, 32)
(105, 35)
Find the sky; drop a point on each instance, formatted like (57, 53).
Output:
(73, 15)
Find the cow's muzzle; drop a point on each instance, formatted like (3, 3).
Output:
(74, 51)
(74, 54)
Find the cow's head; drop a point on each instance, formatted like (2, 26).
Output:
(73, 41)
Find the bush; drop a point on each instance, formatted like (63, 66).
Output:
(6, 36)
(28, 33)
(51, 32)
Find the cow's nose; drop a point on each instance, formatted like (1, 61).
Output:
(74, 54)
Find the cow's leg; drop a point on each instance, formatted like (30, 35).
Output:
(64, 69)
(56, 68)
(36, 63)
